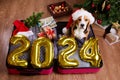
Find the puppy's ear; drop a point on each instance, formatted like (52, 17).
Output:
(87, 28)
(73, 23)
(88, 25)
(73, 27)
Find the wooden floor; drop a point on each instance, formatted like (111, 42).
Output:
(11, 10)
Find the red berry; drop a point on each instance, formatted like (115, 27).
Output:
(99, 21)
(93, 5)
(108, 7)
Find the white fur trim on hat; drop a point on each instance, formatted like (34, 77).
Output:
(82, 12)
(64, 30)
(26, 33)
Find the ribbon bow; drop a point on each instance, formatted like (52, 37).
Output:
(47, 32)
(50, 33)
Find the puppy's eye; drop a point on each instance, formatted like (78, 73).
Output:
(79, 19)
(86, 19)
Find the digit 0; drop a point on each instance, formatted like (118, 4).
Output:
(35, 53)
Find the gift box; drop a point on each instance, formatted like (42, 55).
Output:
(112, 33)
(49, 21)
(59, 9)
(47, 28)
(83, 66)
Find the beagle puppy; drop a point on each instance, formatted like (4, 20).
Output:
(80, 26)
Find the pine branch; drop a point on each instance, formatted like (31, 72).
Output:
(33, 20)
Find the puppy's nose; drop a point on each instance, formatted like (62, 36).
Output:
(82, 25)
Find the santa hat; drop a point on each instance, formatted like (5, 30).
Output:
(75, 15)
